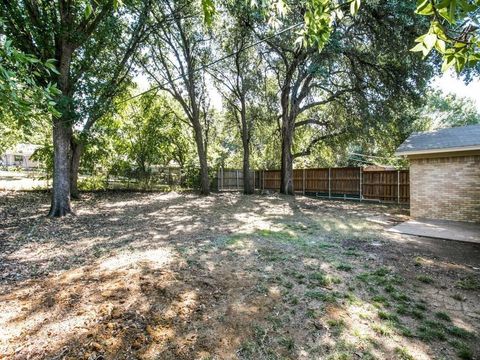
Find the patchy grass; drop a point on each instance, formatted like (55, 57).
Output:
(227, 276)
(431, 330)
(344, 267)
(321, 279)
(443, 316)
(328, 297)
(403, 354)
(425, 279)
(336, 326)
(382, 330)
(469, 283)
(387, 316)
(463, 351)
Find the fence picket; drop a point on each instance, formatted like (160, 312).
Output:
(349, 182)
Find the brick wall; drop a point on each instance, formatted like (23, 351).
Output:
(445, 188)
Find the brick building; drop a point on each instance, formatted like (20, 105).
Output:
(444, 173)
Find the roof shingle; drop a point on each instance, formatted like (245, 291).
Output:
(443, 139)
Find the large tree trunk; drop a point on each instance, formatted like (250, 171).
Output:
(247, 185)
(62, 133)
(204, 178)
(286, 183)
(77, 150)
(62, 136)
(202, 157)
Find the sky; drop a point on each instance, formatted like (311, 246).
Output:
(449, 83)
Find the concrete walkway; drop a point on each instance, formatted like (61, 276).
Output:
(441, 229)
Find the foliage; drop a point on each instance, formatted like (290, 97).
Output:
(93, 183)
(318, 16)
(454, 32)
(44, 155)
(359, 89)
(143, 134)
(26, 104)
(448, 110)
(362, 91)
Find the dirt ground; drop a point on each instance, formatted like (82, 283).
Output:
(21, 180)
(178, 276)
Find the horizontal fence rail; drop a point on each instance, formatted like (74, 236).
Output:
(346, 182)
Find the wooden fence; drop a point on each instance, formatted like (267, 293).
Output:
(347, 183)
(232, 179)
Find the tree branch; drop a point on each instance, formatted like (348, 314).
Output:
(315, 141)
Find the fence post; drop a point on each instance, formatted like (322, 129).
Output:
(361, 184)
(238, 184)
(222, 177)
(329, 184)
(398, 186)
(263, 180)
(303, 181)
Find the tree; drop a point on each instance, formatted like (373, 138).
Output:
(454, 28)
(364, 68)
(74, 34)
(448, 110)
(150, 129)
(238, 78)
(55, 30)
(177, 52)
(109, 63)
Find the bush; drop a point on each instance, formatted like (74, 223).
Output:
(92, 183)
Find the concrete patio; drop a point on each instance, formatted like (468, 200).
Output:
(440, 229)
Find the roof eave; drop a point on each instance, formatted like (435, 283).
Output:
(437, 151)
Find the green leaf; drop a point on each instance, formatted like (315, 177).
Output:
(440, 46)
(451, 11)
(430, 41)
(339, 14)
(52, 67)
(424, 7)
(447, 63)
(354, 6)
(443, 4)
(467, 7)
(418, 47)
(459, 64)
(117, 3)
(208, 7)
(88, 10)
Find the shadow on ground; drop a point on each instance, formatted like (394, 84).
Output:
(177, 276)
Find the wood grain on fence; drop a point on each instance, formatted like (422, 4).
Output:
(389, 185)
(232, 179)
(316, 180)
(347, 182)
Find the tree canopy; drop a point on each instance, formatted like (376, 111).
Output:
(269, 84)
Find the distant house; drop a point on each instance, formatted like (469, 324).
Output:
(20, 156)
(444, 173)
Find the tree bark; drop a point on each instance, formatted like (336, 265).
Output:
(77, 151)
(288, 127)
(62, 133)
(62, 136)
(202, 157)
(247, 185)
(286, 183)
